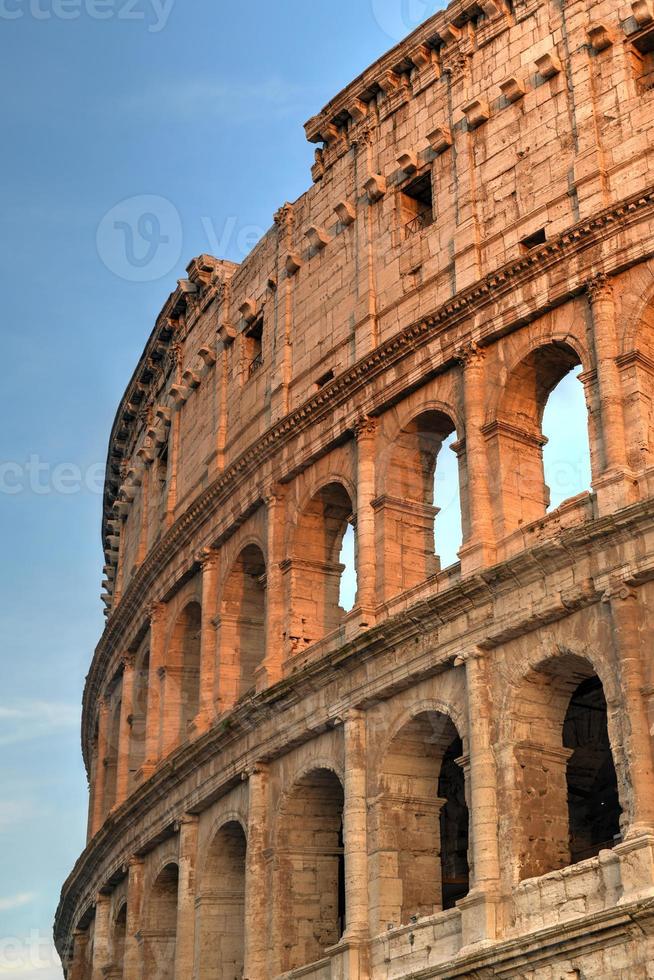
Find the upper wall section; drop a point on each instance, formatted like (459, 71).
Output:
(492, 129)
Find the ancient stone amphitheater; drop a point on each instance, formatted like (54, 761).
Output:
(454, 777)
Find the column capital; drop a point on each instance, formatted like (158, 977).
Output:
(365, 427)
(128, 661)
(156, 612)
(618, 589)
(600, 287)
(207, 558)
(256, 769)
(274, 494)
(103, 704)
(470, 355)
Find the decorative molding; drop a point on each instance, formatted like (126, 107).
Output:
(440, 138)
(548, 65)
(513, 89)
(476, 113)
(600, 36)
(375, 187)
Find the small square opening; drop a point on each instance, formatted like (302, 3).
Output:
(324, 379)
(416, 205)
(534, 240)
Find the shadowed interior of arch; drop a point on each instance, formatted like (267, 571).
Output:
(184, 656)
(567, 799)
(118, 939)
(139, 715)
(422, 821)
(220, 924)
(310, 872)
(160, 932)
(422, 516)
(321, 541)
(242, 620)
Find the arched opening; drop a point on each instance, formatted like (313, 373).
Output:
(316, 565)
(567, 805)
(421, 822)
(310, 872)
(111, 757)
(139, 716)
(184, 659)
(347, 558)
(242, 620)
(593, 801)
(517, 440)
(160, 931)
(118, 941)
(566, 454)
(420, 510)
(220, 936)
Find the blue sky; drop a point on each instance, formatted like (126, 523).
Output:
(191, 113)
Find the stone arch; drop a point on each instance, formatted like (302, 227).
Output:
(314, 567)
(220, 927)
(309, 872)
(406, 507)
(565, 802)
(242, 640)
(183, 667)
(515, 436)
(420, 821)
(159, 931)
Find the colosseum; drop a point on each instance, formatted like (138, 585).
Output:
(452, 778)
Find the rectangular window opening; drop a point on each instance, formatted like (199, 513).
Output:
(254, 346)
(324, 379)
(533, 241)
(417, 205)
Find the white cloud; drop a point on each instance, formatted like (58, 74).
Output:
(22, 721)
(16, 901)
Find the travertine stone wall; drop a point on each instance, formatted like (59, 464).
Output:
(279, 787)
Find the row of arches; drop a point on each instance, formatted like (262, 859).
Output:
(565, 808)
(425, 486)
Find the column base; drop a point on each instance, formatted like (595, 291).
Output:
(349, 958)
(145, 771)
(615, 489)
(476, 555)
(482, 918)
(636, 856)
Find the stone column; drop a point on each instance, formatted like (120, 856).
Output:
(355, 827)
(101, 953)
(256, 876)
(366, 598)
(479, 547)
(125, 731)
(270, 671)
(100, 766)
(79, 963)
(185, 941)
(625, 620)
(483, 774)
(480, 906)
(153, 713)
(132, 956)
(210, 564)
(614, 488)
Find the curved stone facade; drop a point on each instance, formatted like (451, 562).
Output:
(454, 778)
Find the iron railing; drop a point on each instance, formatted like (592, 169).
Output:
(422, 220)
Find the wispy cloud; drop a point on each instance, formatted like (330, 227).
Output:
(238, 101)
(16, 901)
(23, 721)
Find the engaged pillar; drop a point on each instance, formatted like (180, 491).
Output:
(256, 880)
